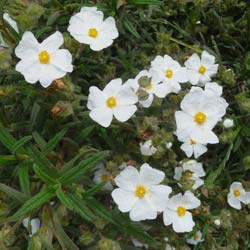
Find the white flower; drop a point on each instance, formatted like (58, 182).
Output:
(140, 193)
(115, 100)
(169, 247)
(200, 70)
(147, 148)
(32, 225)
(237, 195)
(194, 171)
(169, 145)
(169, 72)
(10, 21)
(214, 87)
(139, 244)
(217, 222)
(197, 238)
(177, 214)
(101, 174)
(228, 123)
(43, 62)
(153, 88)
(201, 110)
(88, 27)
(191, 147)
(13, 24)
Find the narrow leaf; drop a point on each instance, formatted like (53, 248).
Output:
(64, 198)
(20, 143)
(44, 175)
(12, 193)
(23, 175)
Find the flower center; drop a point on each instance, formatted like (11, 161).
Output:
(111, 102)
(93, 32)
(181, 211)
(104, 177)
(192, 142)
(169, 73)
(189, 175)
(44, 57)
(150, 86)
(140, 191)
(200, 118)
(196, 237)
(236, 192)
(202, 70)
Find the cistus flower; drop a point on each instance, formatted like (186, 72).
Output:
(170, 72)
(115, 100)
(43, 62)
(147, 148)
(228, 123)
(197, 238)
(201, 110)
(177, 214)
(102, 175)
(191, 147)
(32, 225)
(140, 193)
(200, 70)
(192, 170)
(237, 195)
(88, 27)
(153, 87)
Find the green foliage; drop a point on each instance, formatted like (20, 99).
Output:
(49, 147)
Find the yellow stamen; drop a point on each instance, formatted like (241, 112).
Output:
(140, 191)
(44, 57)
(111, 102)
(169, 73)
(104, 177)
(192, 142)
(196, 237)
(202, 70)
(93, 32)
(236, 192)
(181, 211)
(150, 86)
(189, 175)
(200, 118)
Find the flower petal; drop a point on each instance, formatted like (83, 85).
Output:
(123, 113)
(52, 43)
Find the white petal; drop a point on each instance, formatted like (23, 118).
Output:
(150, 176)
(193, 76)
(184, 223)
(193, 61)
(27, 47)
(233, 202)
(96, 98)
(158, 197)
(62, 59)
(124, 199)
(126, 96)
(48, 74)
(187, 148)
(178, 173)
(142, 210)
(199, 150)
(160, 90)
(168, 217)
(147, 103)
(198, 182)
(204, 136)
(102, 115)
(128, 179)
(52, 43)
(207, 59)
(189, 201)
(113, 87)
(35, 225)
(30, 70)
(123, 113)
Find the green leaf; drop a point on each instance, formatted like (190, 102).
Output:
(12, 193)
(151, 2)
(130, 27)
(94, 189)
(44, 175)
(39, 140)
(6, 138)
(54, 141)
(23, 175)
(64, 198)
(20, 143)
(35, 202)
(80, 207)
(62, 237)
(7, 159)
(101, 211)
(71, 175)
